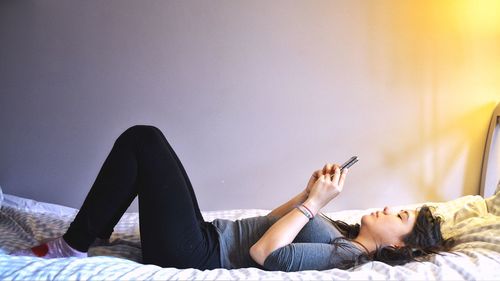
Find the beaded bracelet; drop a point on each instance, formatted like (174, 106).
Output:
(304, 210)
(309, 210)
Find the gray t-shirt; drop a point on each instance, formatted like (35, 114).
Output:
(312, 249)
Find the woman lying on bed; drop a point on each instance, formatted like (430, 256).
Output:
(294, 236)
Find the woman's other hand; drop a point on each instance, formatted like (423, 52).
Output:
(325, 188)
(328, 168)
(302, 196)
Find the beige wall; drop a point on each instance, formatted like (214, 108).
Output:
(253, 95)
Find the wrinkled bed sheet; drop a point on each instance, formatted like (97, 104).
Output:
(473, 221)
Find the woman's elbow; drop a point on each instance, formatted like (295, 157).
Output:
(258, 254)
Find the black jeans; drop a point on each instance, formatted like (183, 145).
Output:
(173, 232)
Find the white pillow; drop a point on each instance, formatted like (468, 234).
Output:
(493, 203)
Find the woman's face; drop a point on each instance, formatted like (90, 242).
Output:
(387, 227)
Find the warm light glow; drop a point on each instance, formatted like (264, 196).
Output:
(481, 16)
(446, 54)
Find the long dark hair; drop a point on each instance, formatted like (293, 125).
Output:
(425, 238)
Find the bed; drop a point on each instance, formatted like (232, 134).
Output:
(473, 220)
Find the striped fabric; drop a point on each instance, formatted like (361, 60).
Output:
(473, 221)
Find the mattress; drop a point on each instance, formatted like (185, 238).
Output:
(472, 220)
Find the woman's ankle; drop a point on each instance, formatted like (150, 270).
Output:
(76, 243)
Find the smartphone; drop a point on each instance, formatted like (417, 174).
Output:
(349, 163)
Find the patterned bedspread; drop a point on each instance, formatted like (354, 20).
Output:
(472, 220)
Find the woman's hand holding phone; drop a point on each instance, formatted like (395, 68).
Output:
(325, 189)
(326, 184)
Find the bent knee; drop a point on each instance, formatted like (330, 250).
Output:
(141, 131)
(142, 128)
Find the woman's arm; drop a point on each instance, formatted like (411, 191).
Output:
(284, 231)
(278, 235)
(288, 206)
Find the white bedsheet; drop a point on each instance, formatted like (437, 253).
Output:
(473, 221)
